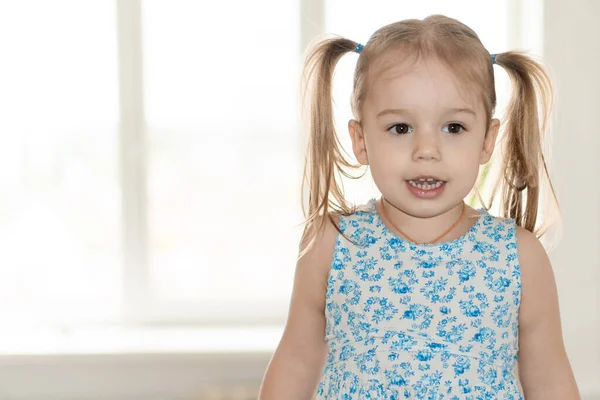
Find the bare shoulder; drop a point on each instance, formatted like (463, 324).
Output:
(320, 255)
(532, 254)
(315, 264)
(538, 284)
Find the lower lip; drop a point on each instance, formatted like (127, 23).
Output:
(426, 194)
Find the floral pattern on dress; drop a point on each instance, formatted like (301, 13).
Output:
(412, 321)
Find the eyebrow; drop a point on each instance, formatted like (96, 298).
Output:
(404, 111)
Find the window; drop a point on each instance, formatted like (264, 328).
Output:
(223, 160)
(109, 219)
(60, 201)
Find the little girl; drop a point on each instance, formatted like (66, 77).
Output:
(415, 295)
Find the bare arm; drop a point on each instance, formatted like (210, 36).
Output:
(544, 368)
(296, 366)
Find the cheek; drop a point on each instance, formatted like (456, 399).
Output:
(468, 147)
(466, 156)
(385, 161)
(463, 157)
(387, 156)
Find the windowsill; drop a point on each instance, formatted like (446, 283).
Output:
(135, 363)
(123, 341)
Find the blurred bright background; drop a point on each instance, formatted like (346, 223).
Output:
(150, 168)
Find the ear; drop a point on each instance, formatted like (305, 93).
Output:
(489, 143)
(358, 142)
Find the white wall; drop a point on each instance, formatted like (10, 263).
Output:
(572, 49)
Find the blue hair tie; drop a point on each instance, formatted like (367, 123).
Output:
(359, 48)
(493, 58)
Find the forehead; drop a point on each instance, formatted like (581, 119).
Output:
(422, 83)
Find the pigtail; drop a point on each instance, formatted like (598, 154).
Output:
(527, 118)
(324, 159)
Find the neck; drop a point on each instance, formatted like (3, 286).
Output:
(425, 226)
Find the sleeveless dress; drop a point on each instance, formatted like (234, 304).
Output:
(412, 321)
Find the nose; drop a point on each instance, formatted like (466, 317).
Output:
(426, 147)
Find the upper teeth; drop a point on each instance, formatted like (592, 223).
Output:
(426, 183)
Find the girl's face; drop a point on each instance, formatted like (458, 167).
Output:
(417, 124)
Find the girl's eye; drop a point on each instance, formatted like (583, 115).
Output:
(455, 128)
(400, 129)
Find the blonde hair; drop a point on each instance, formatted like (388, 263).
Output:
(457, 47)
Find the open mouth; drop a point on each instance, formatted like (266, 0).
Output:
(426, 183)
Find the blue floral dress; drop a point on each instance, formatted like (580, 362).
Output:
(411, 321)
